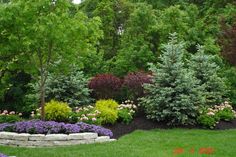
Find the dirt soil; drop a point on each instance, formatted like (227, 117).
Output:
(142, 123)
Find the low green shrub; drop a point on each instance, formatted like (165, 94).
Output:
(87, 114)
(209, 117)
(57, 111)
(226, 114)
(207, 121)
(126, 111)
(109, 111)
(125, 116)
(9, 117)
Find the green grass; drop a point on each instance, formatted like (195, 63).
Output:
(155, 143)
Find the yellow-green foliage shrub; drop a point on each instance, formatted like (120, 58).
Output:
(57, 111)
(108, 109)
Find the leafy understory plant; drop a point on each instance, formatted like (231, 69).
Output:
(211, 116)
(174, 95)
(126, 111)
(9, 116)
(87, 114)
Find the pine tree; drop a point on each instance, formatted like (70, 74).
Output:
(174, 95)
(205, 70)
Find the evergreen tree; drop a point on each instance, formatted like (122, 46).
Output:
(205, 70)
(174, 95)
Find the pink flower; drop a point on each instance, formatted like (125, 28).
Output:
(12, 112)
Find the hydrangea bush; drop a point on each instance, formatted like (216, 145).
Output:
(126, 111)
(209, 117)
(9, 116)
(52, 127)
(87, 114)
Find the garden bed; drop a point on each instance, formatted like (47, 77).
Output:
(142, 123)
(38, 133)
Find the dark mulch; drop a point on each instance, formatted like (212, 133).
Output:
(222, 125)
(142, 123)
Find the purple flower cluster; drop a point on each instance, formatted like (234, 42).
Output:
(94, 128)
(2, 155)
(51, 127)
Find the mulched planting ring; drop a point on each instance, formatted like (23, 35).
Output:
(140, 122)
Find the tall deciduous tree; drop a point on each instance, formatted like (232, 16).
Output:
(139, 41)
(113, 14)
(37, 34)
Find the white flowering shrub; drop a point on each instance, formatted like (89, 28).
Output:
(209, 117)
(126, 111)
(9, 116)
(88, 114)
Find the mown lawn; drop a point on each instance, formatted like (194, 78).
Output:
(155, 143)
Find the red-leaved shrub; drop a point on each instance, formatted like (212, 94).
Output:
(228, 42)
(105, 86)
(133, 82)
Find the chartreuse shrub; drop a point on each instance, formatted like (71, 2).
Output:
(209, 117)
(174, 96)
(57, 111)
(108, 109)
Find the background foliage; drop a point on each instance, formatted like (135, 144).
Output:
(105, 36)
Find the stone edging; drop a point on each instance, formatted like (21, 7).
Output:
(41, 140)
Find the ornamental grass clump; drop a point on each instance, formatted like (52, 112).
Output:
(52, 127)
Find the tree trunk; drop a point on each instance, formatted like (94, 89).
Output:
(42, 102)
(42, 95)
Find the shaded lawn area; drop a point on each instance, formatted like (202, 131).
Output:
(154, 143)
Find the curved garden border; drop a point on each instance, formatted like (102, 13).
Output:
(41, 140)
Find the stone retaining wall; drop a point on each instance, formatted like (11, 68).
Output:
(41, 140)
